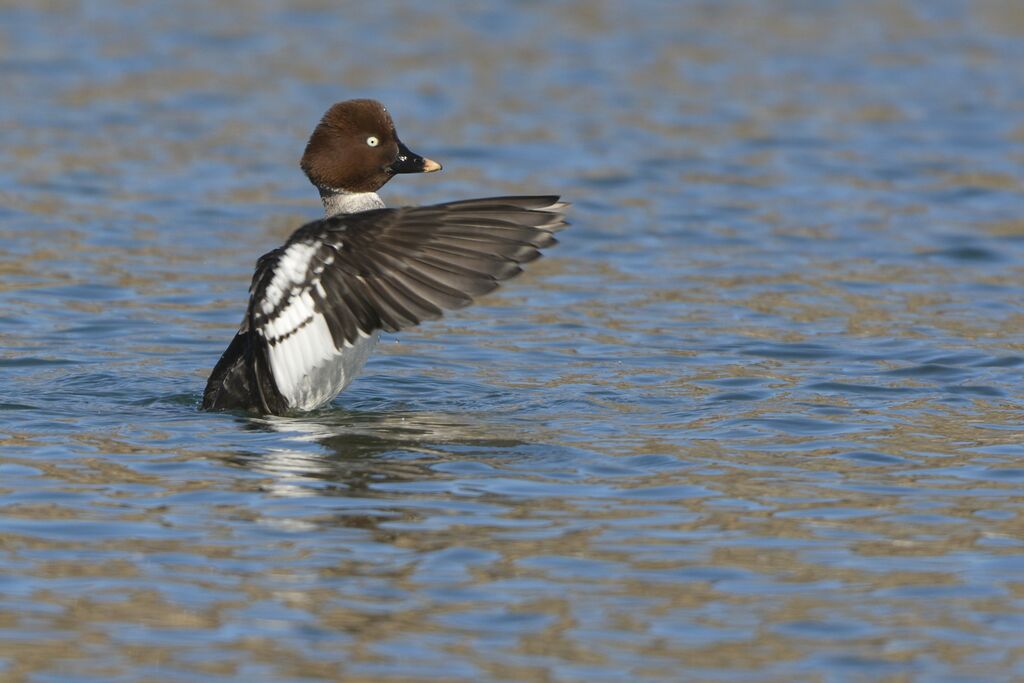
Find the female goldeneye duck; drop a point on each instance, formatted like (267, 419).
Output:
(317, 304)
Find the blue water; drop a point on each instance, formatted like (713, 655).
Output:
(756, 418)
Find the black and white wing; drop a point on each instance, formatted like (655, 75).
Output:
(318, 302)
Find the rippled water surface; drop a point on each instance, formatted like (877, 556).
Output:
(757, 418)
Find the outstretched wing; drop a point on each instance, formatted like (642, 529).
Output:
(340, 280)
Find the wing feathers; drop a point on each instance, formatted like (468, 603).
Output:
(339, 280)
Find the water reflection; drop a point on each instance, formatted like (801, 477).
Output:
(358, 451)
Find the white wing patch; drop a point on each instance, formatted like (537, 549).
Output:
(292, 269)
(308, 368)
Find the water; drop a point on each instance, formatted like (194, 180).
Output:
(757, 418)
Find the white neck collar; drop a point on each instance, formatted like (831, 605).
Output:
(340, 201)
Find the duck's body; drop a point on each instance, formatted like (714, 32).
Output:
(318, 303)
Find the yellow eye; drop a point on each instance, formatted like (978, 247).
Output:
(372, 141)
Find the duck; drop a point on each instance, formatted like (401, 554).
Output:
(319, 302)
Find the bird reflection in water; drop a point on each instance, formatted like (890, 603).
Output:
(356, 451)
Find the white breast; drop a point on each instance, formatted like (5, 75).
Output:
(307, 388)
(308, 368)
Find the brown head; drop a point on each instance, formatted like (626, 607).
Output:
(355, 148)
